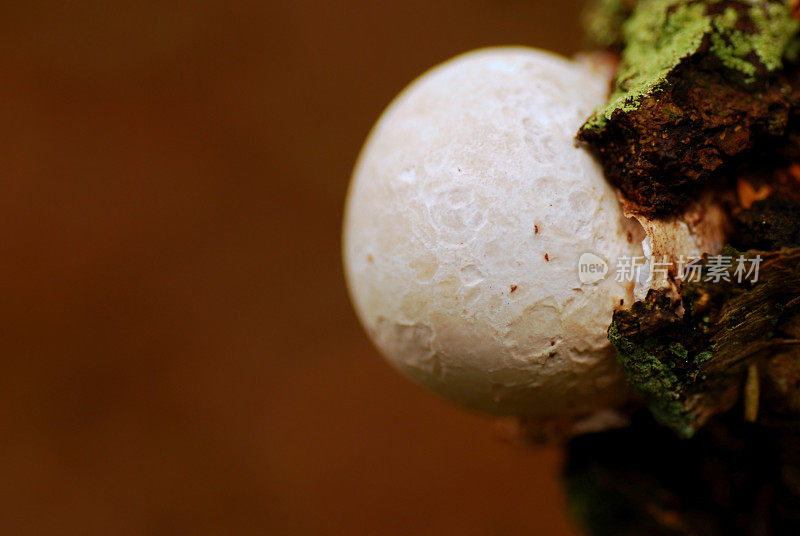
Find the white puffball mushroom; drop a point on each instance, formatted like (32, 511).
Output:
(468, 210)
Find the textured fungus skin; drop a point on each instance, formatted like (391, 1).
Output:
(699, 83)
(468, 210)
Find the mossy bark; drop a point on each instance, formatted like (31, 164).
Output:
(688, 356)
(707, 94)
(699, 83)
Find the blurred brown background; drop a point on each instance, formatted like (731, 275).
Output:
(179, 353)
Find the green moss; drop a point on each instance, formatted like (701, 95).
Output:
(660, 34)
(703, 357)
(658, 380)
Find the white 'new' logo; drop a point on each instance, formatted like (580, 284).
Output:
(591, 268)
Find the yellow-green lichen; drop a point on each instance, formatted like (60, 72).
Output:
(730, 45)
(775, 30)
(656, 39)
(745, 36)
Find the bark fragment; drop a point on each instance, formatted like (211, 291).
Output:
(688, 356)
(699, 84)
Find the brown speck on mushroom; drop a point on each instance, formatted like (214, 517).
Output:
(535, 229)
(630, 237)
(513, 288)
(370, 258)
(622, 302)
(552, 343)
(546, 257)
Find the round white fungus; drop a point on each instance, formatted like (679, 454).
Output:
(469, 209)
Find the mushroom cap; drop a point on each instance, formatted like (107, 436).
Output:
(468, 210)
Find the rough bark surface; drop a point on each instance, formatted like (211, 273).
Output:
(660, 154)
(699, 85)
